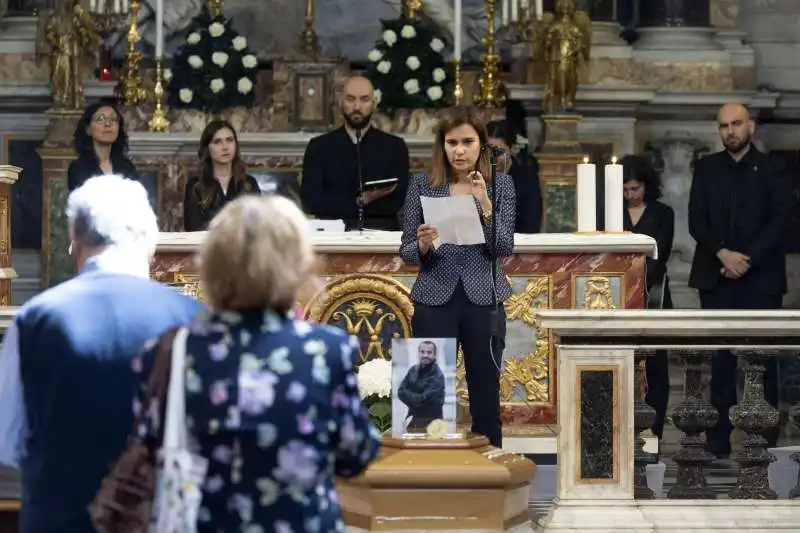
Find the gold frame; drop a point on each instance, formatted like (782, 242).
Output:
(608, 275)
(615, 421)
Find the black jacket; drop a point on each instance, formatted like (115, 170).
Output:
(422, 390)
(742, 206)
(196, 218)
(87, 166)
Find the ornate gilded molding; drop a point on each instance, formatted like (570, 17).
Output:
(598, 291)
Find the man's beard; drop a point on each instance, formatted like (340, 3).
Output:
(737, 146)
(357, 121)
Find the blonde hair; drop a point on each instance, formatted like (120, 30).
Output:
(258, 254)
(451, 118)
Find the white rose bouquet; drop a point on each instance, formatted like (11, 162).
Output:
(375, 389)
(213, 70)
(408, 68)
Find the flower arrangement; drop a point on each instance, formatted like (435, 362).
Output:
(213, 70)
(408, 68)
(375, 389)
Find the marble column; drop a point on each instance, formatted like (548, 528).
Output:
(9, 175)
(56, 153)
(675, 24)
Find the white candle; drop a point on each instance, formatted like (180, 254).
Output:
(514, 10)
(117, 6)
(457, 30)
(615, 204)
(504, 19)
(126, 6)
(159, 29)
(539, 10)
(586, 196)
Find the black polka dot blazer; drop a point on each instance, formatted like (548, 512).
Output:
(442, 268)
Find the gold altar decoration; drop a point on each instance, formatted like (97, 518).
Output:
(458, 90)
(309, 42)
(488, 94)
(597, 293)
(159, 121)
(215, 7)
(563, 41)
(129, 90)
(530, 373)
(188, 284)
(374, 308)
(413, 7)
(66, 37)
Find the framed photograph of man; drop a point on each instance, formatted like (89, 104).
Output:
(423, 385)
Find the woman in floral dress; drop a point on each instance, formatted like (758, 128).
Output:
(271, 400)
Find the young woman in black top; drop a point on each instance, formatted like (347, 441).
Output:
(524, 171)
(223, 176)
(101, 143)
(646, 215)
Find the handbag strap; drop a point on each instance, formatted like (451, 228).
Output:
(175, 418)
(157, 384)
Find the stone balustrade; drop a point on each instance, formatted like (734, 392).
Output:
(601, 413)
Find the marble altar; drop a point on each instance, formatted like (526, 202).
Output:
(366, 291)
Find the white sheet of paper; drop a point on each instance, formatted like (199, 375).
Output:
(456, 219)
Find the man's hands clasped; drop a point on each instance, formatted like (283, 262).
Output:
(734, 264)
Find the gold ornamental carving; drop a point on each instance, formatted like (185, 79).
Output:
(597, 293)
(526, 378)
(373, 308)
(5, 231)
(188, 284)
(562, 40)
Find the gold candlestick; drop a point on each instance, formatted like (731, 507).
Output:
(488, 84)
(129, 90)
(309, 43)
(458, 91)
(215, 7)
(159, 121)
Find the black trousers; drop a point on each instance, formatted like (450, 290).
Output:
(732, 294)
(470, 324)
(657, 375)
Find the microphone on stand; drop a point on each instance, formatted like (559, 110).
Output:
(360, 182)
(495, 316)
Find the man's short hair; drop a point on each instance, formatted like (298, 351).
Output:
(430, 343)
(111, 210)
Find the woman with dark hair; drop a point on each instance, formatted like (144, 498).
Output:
(223, 176)
(454, 290)
(646, 215)
(101, 143)
(524, 171)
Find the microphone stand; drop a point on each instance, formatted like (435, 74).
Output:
(360, 182)
(495, 316)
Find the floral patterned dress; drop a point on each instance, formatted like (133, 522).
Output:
(273, 404)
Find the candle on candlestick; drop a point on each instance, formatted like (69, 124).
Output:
(539, 10)
(514, 10)
(457, 30)
(504, 18)
(117, 6)
(615, 205)
(159, 28)
(587, 196)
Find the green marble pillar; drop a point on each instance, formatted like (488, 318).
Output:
(56, 153)
(558, 160)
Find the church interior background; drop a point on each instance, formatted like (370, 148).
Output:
(659, 71)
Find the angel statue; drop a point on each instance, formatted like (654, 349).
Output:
(563, 41)
(66, 38)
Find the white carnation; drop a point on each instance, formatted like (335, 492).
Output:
(219, 58)
(375, 379)
(377, 95)
(439, 75)
(384, 67)
(374, 55)
(239, 43)
(185, 95)
(195, 61)
(412, 62)
(193, 38)
(437, 45)
(216, 29)
(244, 85)
(389, 37)
(435, 92)
(216, 85)
(167, 74)
(249, 61)
(408, 32)
(411, 86)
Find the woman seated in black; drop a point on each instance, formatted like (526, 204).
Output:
(524, 171)
(646, 215)
(223, 176)
(101, 143)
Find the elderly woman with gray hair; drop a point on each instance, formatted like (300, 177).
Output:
(271, 400)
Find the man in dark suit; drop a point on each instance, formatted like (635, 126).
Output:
(66, 381)
(335, 162)
(739, 206)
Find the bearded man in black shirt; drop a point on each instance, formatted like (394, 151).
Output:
(337, 164)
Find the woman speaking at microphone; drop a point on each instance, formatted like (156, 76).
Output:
(454, 292)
